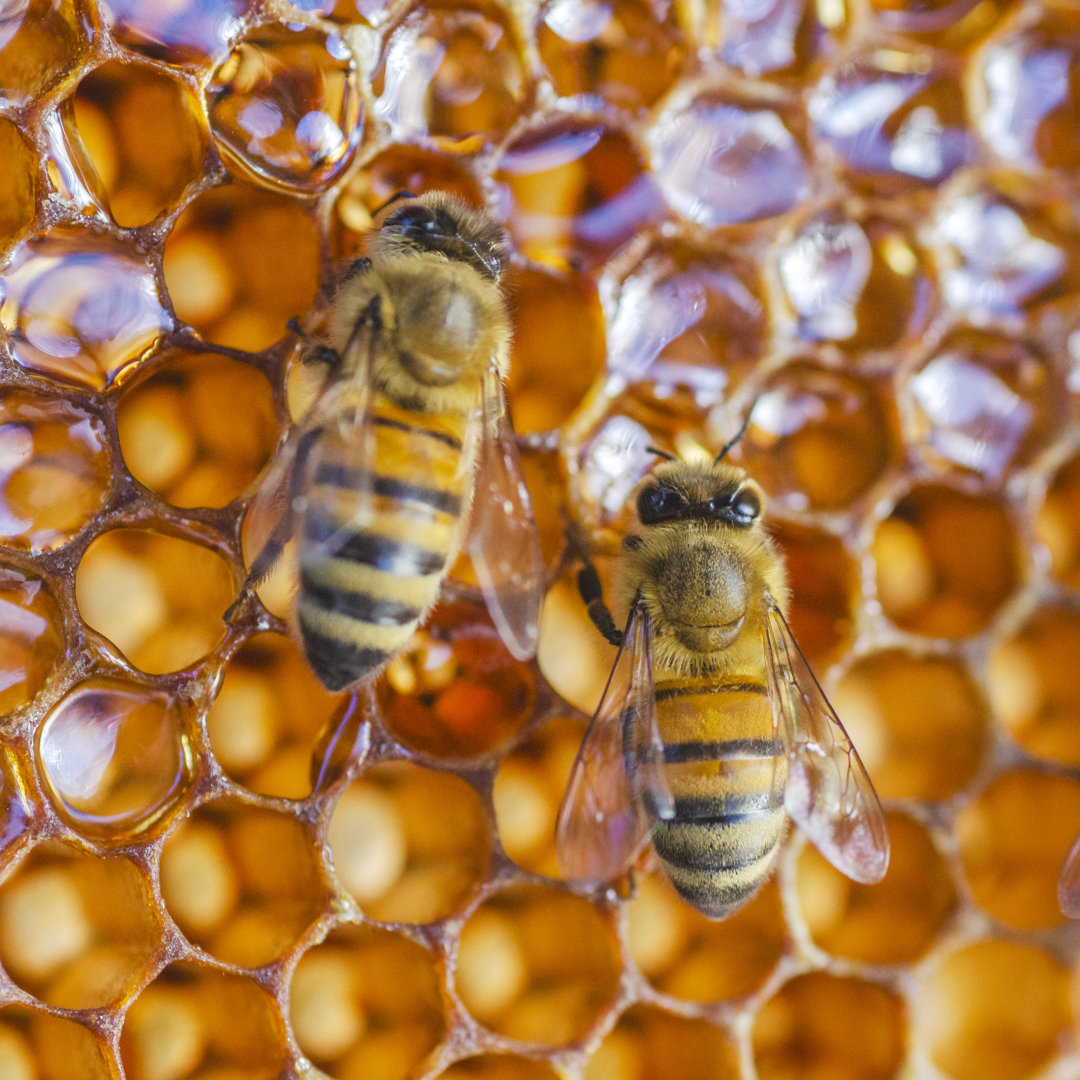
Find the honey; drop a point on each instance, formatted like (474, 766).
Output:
(854, 224)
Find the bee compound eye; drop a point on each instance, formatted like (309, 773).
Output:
(656, 503)
(745, 506)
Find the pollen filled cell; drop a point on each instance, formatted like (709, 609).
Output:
(179, 433)
(409, 844)
(537, 965)
(157, 598)
(367, 1002)
(76, 930)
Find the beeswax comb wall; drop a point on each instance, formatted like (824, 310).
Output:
(861, 215)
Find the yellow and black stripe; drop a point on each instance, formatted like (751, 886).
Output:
(364, 594)
(726, 772)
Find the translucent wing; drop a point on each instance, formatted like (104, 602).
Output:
(603, 821)
(828, 792)
(503, 541)
(1069, 883)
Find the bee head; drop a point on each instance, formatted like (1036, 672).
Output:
(441, 224)
(708, 492)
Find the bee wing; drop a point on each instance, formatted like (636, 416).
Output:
(828, 792)
(1069, 883)
(504, 544)
(602, 821)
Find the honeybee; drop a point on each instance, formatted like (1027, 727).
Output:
(712, 726)
(377, 481)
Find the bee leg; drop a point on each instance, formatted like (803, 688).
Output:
(593, 595)
(271, 551)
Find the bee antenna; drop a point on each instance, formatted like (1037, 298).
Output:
(738, 435)
(396, 197)
(659, 453)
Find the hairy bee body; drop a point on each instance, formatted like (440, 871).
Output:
(377, 482)
(712, 730)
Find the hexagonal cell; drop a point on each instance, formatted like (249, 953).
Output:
(1057, 522)
(1025, 821)
(912, 130)
(194, 1021)
(239, 263)
(31, 635)
(782, 37)
(1004, 247)
(242, 882)
(409, 844)
(80, 308)
(17, 806)
(983, 402)
(115, 758)
(399, 167)
(858, 280)
(54, 469)
(468, 62)
(1020, 124)
(267, 717)
(685, 315)
(527, 792)
(946, 560)
(188, 33)
(558, 349)
(16, 184)
(179, 433)
(285, 106)
(626, 53)
(143, 137)
(35, 1045)
(159, 599)
(992, 1010)
(805, 1030)
(77, 930)
(42, 42)
(367, 1002)
(650, 1042)
(893, 922)
(824, 588)
(498, 1067)
(688, 956)
(817, 439)
(919, 722)
(537, 965)
(724, 159)
(572, 189)
(1034, 690)
(948, 23)
(456, 691)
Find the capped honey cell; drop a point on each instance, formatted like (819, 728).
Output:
(467, 60)
(194, 1020)
(159, 599)
(946, 560)
(285, 107)
(537, 965)
(893, 922)
(115, 758)
(31, 635)
(77, 930)
(243, 882)
(992, 1010)
(409, 844)
(688, 956)
(350, 1019)
(143, 136)
(179, 432)
(1027, 821)
(649, 1043)
(240, 263)
(819, 1023)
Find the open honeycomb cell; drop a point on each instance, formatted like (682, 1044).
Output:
(855, 224)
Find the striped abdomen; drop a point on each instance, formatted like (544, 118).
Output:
(364, 587)
(726, 773)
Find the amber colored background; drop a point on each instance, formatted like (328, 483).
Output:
(859, 214)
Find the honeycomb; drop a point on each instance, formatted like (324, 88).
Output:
(859, 215)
